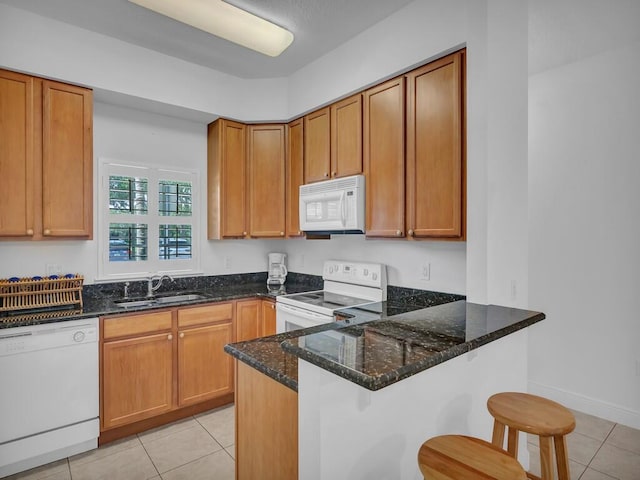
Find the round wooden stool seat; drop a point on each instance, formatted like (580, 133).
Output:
(457, 457)
(523, 412)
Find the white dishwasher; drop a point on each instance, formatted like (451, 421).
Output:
(48, 393)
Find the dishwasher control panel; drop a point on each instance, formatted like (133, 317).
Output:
(51, 335)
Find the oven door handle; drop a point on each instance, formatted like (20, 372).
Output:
(301, 313)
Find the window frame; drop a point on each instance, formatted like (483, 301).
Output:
(117, 270)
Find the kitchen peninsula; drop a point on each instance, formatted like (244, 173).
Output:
(414, 374)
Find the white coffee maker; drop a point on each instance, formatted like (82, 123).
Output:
(277, 269)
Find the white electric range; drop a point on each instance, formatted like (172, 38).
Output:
(346, 284)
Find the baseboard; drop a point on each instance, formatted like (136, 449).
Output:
(584, 404)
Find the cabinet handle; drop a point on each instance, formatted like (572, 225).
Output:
(181, 334)
(411, 233)
(47, 231)
(30, 231)
(398, 233)
(169, 337)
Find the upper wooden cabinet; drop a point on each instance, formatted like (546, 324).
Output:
(346, 137)
(245, 180)
(266, 189)
(226, 178)
(333, 141)
(46, 163)
(435, 160)
(294, 176)
(383, 150)
(317, 145)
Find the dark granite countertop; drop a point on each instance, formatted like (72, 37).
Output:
(390, 340)
(99, 299)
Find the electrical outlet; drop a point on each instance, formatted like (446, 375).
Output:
(426, 271)
(53, 269)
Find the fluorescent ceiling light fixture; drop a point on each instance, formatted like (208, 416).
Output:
(226, 21)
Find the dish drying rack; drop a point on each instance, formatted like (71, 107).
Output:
(35, 293)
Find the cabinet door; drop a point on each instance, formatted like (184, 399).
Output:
(317, 142)
(67, 160)
(247, 320)
(295, 176)
(434, 149)
(266, 163)
(384, 159)
(268, 318)
(226, 180)
(346, 137)
(17, 156)
(137, 379)
(205, 371)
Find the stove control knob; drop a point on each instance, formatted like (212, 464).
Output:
(374, 276)
(330, 269)
(366, 272)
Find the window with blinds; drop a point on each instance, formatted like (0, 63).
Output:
(147, 221)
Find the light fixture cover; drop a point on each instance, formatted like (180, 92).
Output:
(226, 21)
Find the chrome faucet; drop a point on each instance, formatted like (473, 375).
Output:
(151, 288)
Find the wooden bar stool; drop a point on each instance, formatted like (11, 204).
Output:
(456, 457)
(522, 412)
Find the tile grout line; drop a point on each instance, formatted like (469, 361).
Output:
(148, 456)
(596, 453)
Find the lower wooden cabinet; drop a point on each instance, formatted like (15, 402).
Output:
(266, 427)
(254, 318)
(162, 361)
(205, 371)
(137, 371)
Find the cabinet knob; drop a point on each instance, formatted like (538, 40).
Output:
(273, 305)
(169, 337)
(47, 231)
(411, 233)
(333, 174)
(282, 234)
(30, 231)
(181, 334)
(299, 232)
(244, 234)
(398, 233)
(326, 175)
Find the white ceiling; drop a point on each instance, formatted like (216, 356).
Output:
(319, 26)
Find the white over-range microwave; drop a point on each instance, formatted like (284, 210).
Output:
(333, 206)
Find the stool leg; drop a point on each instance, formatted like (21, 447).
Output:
(512, 442)
(546, 460)
(562, 457)
(498, 434)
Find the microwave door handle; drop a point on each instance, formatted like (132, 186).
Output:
(343, 209)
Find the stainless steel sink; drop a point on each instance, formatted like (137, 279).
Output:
(134, 303)
(180, 298)
(169, 299)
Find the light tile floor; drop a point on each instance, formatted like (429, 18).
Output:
(201, 447)
(196, 448)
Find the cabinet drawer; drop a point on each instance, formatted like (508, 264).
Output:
(188, 317)
(137, 324)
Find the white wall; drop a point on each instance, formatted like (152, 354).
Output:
(404, 259)
(137, 137)
(53, 49)
(584, 223)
